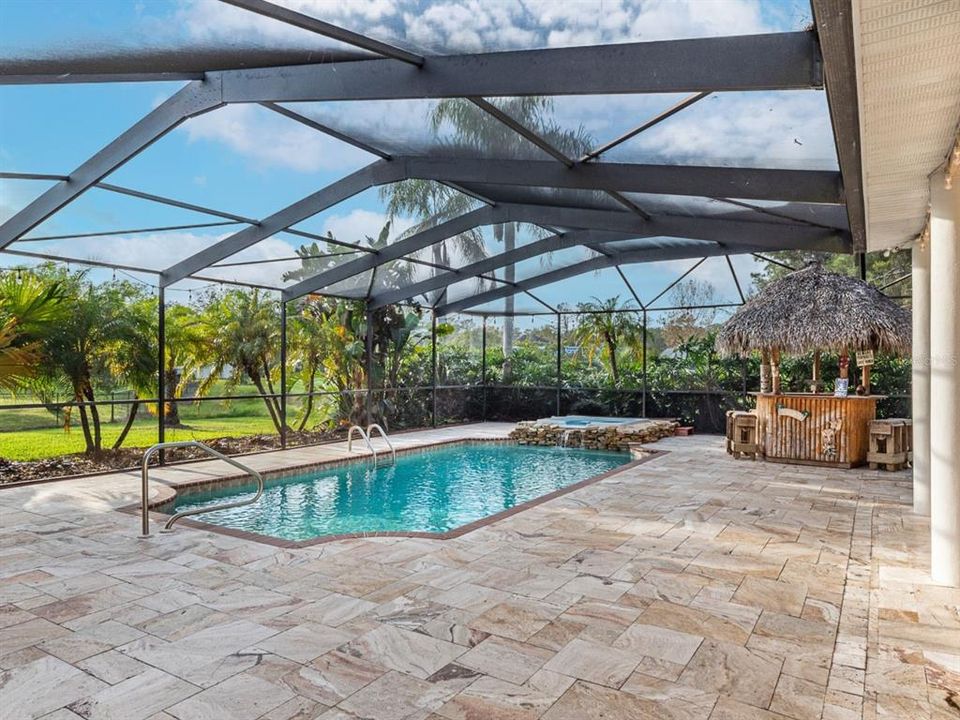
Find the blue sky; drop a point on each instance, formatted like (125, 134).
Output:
(249, 161)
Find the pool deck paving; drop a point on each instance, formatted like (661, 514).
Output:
(690, 586)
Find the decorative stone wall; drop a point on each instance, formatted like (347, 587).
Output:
(593, 437)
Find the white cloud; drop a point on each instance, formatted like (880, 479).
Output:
(478, 25)
(784, 129)
(473, 25)
(266, 137)
(359, 224)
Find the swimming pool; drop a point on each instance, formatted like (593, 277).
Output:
(433, 490)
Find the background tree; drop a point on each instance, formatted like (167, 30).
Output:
(243, 331)
(882, 267)
(131, 353)
(691, 320)
(28, 305)
(601, 330)
(462, 127)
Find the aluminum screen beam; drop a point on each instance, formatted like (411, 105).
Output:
(815, 186)
(396, 250)
(194, 99)
(319, 127)
(495, 262)
(770, 235)
(377, 173)
(731, 234)
(306, 22)
(834, 21)
(655, 120)
(728, 232)
(779, 61)
(600, 263)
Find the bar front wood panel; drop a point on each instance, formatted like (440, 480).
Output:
(793, 428)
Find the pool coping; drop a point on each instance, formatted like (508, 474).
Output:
(172, 491)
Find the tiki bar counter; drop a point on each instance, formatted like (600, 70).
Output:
(810, 311)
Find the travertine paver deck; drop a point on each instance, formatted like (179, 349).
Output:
(692, 586)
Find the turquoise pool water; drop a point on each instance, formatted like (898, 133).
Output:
(431, 491)
(579, 421)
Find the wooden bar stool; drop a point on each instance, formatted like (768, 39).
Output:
(742, 435)
(891, 443)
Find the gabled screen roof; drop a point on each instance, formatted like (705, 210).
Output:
(414, 150)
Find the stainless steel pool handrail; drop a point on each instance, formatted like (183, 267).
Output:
(383, 434)
(366, 439)
(145, 484)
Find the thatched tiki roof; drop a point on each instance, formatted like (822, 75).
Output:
(812, 309)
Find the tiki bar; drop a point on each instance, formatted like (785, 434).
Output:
(814, 311)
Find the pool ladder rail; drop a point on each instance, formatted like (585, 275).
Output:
(145, 485)
(365, 434)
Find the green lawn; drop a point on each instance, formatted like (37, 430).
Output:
(50, 442)
(38, 434)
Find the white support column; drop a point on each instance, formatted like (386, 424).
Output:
(921, 375)
(944, 382)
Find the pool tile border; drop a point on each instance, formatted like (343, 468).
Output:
(159, 516)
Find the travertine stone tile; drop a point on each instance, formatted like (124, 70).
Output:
(594, 663)
(333, 610)
(332, 677)
(205, 658)
(659, 643)
(732, 670)
(700, 545)
(136, 698)
(112, 667)
(730, 709)
(183, 621)
(799, 699)
(42, 686)
(516, 619)
(557, 633)
(773, 595)
(586, 701)
(403, 650)
(395, 696)
(694, 621)
(468, 596)
(241, 697)
(505, 659)
(678, 702)
(493, 699)
(452, 627)
(31, 632)
(303, 643)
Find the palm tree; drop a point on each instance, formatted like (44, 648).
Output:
(27, 303)
(18, 360)
(476, 132)
(186, 354)
(330, 334)
(132, 354)
(243, 336)
(601, 329)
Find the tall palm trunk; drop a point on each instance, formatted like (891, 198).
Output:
(131, 416)
(258, 383)
(171, 411)
(612, 352)
(94, 415)
(78, 395)
(313, 361)
(510, 274)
